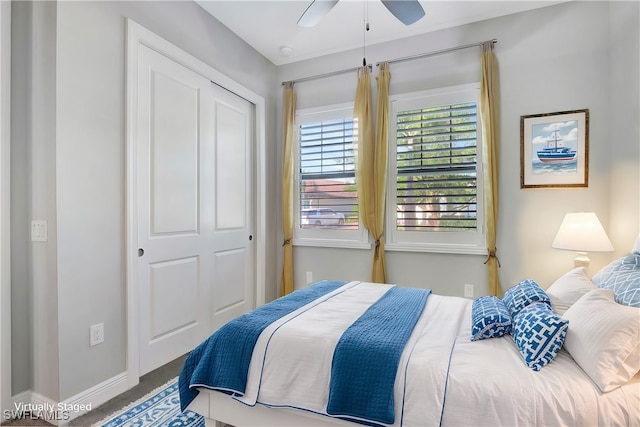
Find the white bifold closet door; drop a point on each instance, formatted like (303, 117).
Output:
(195, 215)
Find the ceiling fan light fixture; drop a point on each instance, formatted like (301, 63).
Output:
(406, 11)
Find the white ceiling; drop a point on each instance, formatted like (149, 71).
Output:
(269, 25)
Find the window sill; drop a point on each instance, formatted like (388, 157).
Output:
(436, 248)
(332, 243)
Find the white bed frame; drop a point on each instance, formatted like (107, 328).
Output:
(220, 409)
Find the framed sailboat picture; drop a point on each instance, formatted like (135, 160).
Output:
(554, 150)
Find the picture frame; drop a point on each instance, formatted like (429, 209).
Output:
(554, 150)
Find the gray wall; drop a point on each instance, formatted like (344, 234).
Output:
(34, 292)
(624, 120)
(570, 56)
(5, 202)
(70, 162)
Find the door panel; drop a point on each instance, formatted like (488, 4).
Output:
(174, 291)
(229, 266)
(174, 155)
(231, 167)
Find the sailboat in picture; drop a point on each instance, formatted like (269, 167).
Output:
(555, 152)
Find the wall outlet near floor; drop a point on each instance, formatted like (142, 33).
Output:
(468, 291)
(96, 334)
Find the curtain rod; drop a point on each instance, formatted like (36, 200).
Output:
(408, 58)
(320, 76)
(438, 52)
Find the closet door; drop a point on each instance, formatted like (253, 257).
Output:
(193, 196)
(233, 254)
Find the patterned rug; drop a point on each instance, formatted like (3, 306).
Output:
(159, 408)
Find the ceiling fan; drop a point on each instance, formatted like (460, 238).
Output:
(407, 11)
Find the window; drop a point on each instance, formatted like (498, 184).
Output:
(435, 176)
(327, 198)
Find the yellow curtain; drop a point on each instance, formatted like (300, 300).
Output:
(489, 99)
(371, 166)
(381, 152)
(288, 143)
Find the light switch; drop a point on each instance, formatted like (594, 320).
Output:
(39, 231)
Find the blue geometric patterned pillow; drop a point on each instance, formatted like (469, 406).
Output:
(523, 294)
(622, 276)
(490, 318)
(539, 334)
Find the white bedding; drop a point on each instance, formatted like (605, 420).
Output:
(490, 385)
(449, 379)
(300, 350)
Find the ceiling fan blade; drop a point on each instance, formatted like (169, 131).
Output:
(315, 12)
(407, 11)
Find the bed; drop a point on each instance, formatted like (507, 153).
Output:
(354, 353)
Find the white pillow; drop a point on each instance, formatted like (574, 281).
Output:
(604, 338)
(636, 245)
(568, 289)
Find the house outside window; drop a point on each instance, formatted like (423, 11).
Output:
(434, 195)
(327, 199)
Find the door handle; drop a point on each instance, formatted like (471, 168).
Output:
(250, 236)
(140, 252)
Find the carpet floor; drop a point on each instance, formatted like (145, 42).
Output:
(148, 383)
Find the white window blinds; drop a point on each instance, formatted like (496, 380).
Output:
(436, 154)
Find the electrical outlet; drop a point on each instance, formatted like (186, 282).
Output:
(468, 291)
(309, 277)
(96, 334)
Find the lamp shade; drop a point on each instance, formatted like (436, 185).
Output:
(582, 231)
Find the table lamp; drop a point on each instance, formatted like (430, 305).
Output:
(582, 232)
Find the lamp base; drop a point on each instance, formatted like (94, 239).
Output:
(582, 260)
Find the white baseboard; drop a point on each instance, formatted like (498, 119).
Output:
(77, 405)
(96, 395)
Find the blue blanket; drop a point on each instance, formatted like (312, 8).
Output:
(367, 355)
(222, 361)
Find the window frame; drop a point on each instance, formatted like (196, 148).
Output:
(325, 237)
(442, 241)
